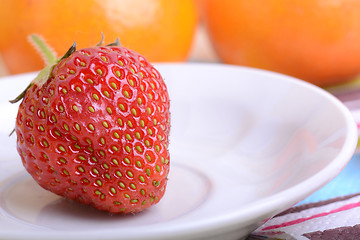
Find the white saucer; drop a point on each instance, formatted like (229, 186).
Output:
(245, 144)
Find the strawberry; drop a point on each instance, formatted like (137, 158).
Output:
(94, 127)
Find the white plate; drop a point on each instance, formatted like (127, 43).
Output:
(245, 145)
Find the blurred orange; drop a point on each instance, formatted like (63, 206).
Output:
(315, 40)
(161, 30)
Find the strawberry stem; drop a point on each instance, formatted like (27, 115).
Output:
(47, 53)
(44, 74)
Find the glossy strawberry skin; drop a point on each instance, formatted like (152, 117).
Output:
(97, 131)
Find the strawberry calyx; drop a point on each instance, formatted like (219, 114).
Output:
(22, 94)
(49, 57)
(101, 43)
(116, 43)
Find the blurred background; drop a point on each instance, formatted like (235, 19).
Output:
(314, 40)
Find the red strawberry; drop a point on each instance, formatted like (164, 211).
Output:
(96, 131)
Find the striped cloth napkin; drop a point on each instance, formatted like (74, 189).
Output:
(333, 212)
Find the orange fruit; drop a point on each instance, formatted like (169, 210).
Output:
(315, 40)
(161, 30)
